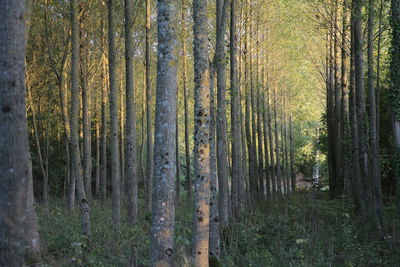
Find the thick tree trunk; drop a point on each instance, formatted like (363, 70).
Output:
(163, 207)
(115, 167)
(16, 191)
(75, 154)
(131, 175)
(221, 113)
(149, 125)
(201, 219)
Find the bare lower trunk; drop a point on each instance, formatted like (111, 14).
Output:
(104, 101)
(163, 208)
(131, 175)
(76, 157)
(115, 162)
(201, 219)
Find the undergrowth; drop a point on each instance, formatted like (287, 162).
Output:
(305, 230)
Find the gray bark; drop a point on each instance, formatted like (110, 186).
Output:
(201, 219)
(115, 168)
(75, 154)
(149, 125)
(163, 208)
(221, 113)
(131, 176)
(16, 193)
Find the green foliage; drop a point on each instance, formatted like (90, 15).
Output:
(306, 230)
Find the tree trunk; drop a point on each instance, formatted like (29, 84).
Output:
(149, 162)
(278, 161)
(287, 171)
(163, 208)
(354, 131)
(122, 142)
(115, 168)
(271, 146)
(221, 113)
(104, 101)
(202, 133)
(345, 99)
(185, 99)
(361, 105)
(267, 166)
(235, 115)
(16, 192)
(395, 86)
(76, 157)
(214, 212)
(374, 146)
(131, 176)
(292, 170)
(261, 190)
(86, 96)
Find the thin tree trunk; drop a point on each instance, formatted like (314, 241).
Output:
(271, 146)
(115, 167)
(131, 175)
(285, 180)
(261, 190)
(374, 146)
(395, 86)
(214, 212)
(178, 177)
(346, 136)
(278, 161)
(185, 99)
(222, 156)
(104, 102)
(354, 131)
(288, 180)
(292, 170)
(361, 105)
(122, 142)
(149, 163)
(267, 166)
(235, 115)
(162, 231)
(76, 157)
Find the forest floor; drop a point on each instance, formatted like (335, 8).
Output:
(307, 229)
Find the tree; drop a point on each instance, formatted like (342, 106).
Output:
(235, 115)
(115, 168)
(76, 157)
(395, 86)
(219, 59)
(201, 135)
(130, 118)
(374, 146)
(149, 162)
(163, 208)
(16, 193)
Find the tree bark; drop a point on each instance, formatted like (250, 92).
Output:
(361, 105)
(16, 193)
(149, 162)
(115, 161)
(75, 154)
(395, 86)
(278, 161)
(131, 175)
(163, 208)
(221, 113)
(374, 146)
(202, 133)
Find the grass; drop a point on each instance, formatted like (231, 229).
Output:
(306, 230)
